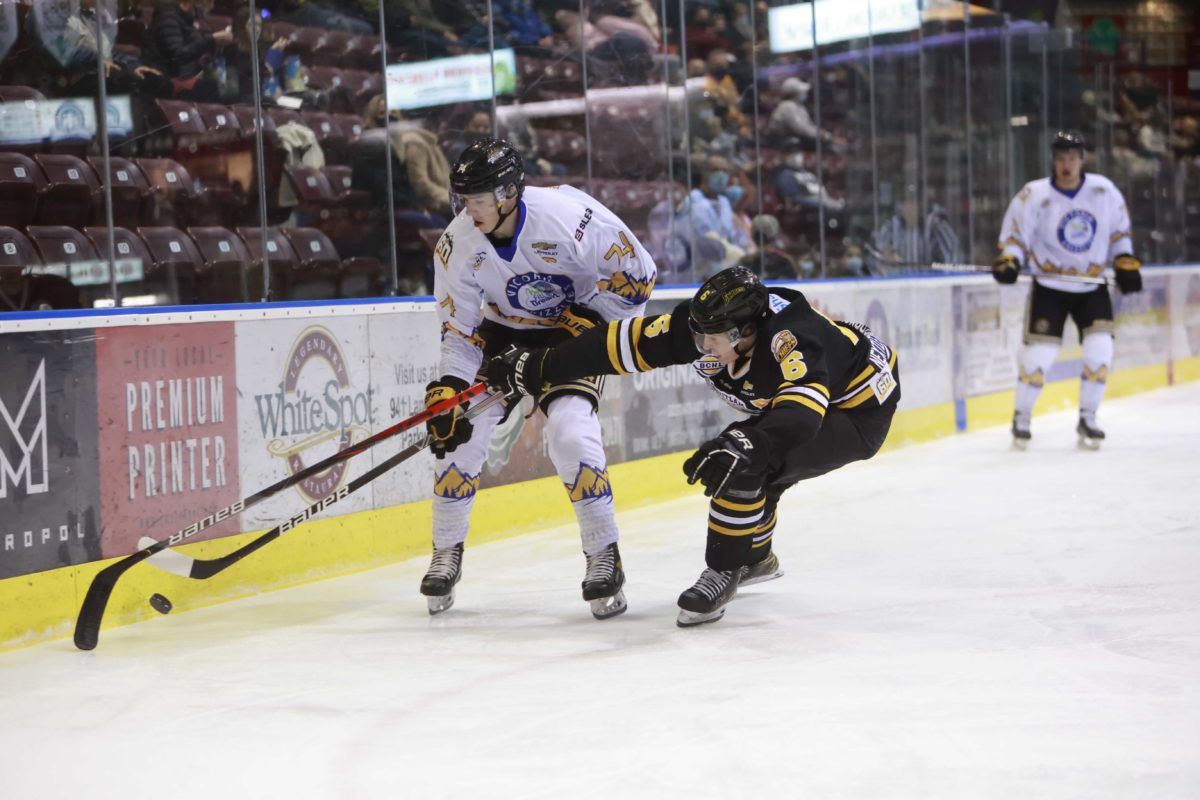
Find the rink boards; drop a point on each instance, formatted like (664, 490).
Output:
(119, 426)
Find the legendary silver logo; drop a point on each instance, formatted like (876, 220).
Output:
(32, 464)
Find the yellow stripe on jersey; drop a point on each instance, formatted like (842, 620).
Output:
(636, 342)
(863, 395)
(729, 505)
(614, 348)
(860, 377)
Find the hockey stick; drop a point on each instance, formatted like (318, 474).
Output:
(91, 613)
(202, 569)
(1098, 280)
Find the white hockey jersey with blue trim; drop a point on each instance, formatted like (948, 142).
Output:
(568, 248)
(1056, 232)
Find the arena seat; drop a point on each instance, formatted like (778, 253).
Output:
(318, 265)
(129, 189)
(17, 256)
(172, 191)
(175, 259)
(21, 180)
(225, 275)
(66, 197)
(279, 254)
(331, 47)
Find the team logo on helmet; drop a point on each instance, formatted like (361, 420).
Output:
(1077, 231)
(541, 295)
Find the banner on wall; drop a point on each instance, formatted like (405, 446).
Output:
(167, 406)
(50, 513)
(305, 393)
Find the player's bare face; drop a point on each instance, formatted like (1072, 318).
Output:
(1068, 167)
(725, 348)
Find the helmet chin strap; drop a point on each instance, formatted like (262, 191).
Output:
(503, 215)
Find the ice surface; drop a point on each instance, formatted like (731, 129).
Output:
(958, 620)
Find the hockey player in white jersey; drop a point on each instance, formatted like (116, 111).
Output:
(1072, 223)
(529, 266)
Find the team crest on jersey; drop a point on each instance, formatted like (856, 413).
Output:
(708, 366)
(478, 259)
(547, 251)
(591, 483)
(1077, 231)
(782, 344)
(541, 295)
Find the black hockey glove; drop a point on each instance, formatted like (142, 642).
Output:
(1005, 269)
(448, 430)
(517, 371)
(739, 452)
(1129, 274)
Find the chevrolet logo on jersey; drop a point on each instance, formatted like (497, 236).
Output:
(455, 485)
(591, 483)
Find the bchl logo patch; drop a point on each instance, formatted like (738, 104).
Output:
(782, 344)
(708, 366)
(541, 295)
(1077, 231)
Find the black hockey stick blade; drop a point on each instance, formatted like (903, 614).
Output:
(91, 613)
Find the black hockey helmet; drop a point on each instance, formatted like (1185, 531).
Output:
(486, 166)
(733, 302)
(1068, 140)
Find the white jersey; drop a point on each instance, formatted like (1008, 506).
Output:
(1078, 233)
(568, 248)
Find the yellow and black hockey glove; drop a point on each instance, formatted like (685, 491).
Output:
(517, 371)
(1129, 274)
(578, 319)
(738, 454)
(450, 429)
(1006, 268)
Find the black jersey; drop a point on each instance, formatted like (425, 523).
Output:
(802, 363)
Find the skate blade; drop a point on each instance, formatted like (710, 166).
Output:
(761, 578)
(440, 603)
(605, 607)
(1088, 443)
(1020, 444)
(688, 619)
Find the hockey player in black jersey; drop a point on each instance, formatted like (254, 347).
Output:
(820, 394)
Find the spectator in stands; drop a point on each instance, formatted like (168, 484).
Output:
(905, 242)
(706, 221)
(720, 86)
(426, 167)
(791, 127)
(665, 242)
(521, 25)
(270, 58)
(769, 260)
(335, 16)
(414, 28)
(704, 31)
(645, 13)
(797, 185)
(177, 47)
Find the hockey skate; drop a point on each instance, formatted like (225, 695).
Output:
(762, 571)
(706, 600)
(444, 571)
(1020, 430)
(603, 581)
(1090, 436)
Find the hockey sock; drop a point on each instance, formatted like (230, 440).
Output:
(761, 546)
(1097, 359)
(1035, 361)
(733, 523)
(573, 439)
(456, 480)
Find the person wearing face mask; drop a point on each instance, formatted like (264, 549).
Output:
(817, 393)
(790, 124)
(706, 221)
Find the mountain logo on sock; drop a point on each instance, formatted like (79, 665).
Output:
(591, 483)
(455, 485)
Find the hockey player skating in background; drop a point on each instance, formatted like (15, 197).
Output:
(820, 394)
(529, 266)
(1072, 223)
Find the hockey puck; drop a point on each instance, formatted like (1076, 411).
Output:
(160, 604)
